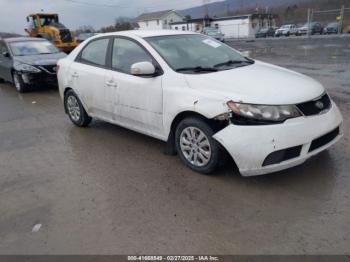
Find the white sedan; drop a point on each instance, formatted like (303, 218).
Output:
(202, 97)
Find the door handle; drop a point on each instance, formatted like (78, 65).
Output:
(111, 84)
(75, 74)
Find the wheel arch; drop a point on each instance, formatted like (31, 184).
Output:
(170, 148)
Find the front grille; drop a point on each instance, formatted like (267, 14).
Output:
(65, 35)
(324, 140)
(282, 155)
(316, 106)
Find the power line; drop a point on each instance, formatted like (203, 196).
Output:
(119, 5)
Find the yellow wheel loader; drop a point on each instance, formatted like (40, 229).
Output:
(48, 26)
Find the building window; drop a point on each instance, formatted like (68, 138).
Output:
(157, 21)
(197, 27)
(183, 28)
(165, 22)
(171, 20)
(146, 23)
(217, 26)
(176, 28)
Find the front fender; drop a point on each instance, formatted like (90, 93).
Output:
(191, 100)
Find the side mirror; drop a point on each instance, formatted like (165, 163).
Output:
(143, 69)
(6, 54)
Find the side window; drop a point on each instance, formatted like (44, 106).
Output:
(126, 53)
(95, 52)
(3, 48)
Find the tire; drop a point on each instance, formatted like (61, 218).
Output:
(18, 82)
(191, 147)
(75, 109)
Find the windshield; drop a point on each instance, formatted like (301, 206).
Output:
(263, 30)
(285, 26)
(48, 20)
(212, 32)
(32, 48)
(311, 24)
(333, 25)
(196, 53)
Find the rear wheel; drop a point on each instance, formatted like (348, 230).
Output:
(18, 82)
(196, 146)
(75, 110)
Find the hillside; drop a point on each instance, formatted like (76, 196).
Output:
(233, 6)
(288, 10)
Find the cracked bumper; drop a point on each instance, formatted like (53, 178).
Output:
(249, 146)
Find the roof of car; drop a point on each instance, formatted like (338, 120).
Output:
(21, 39)
(148, 33)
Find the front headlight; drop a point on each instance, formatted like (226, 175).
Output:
(26, 68)
(263, 113)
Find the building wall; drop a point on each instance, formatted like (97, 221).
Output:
(162, 23)
(193, 27)
(234, 28)
(171, 18)
(151, 25)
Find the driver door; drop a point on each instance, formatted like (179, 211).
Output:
(139, 100)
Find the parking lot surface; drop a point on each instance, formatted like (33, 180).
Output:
(108, 190)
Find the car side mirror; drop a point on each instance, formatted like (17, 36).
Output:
(143, 69)
(6, 54)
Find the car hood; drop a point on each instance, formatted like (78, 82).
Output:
(260, 83)
(46, 59)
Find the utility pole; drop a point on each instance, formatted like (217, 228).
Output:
(206, 12)
(341, 22)
(309, 22)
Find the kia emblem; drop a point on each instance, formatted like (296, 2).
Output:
(319, 105)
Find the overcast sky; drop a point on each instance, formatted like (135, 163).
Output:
(74, 13)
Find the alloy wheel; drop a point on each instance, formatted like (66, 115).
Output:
(195, 146)
(73, 108)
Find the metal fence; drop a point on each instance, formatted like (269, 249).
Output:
(340, 16)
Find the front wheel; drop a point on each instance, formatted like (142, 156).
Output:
(18, 82)
(196, 146)
(75, 110)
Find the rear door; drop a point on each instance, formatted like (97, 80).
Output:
(88, 75)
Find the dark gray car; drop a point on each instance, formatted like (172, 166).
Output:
(27, 62)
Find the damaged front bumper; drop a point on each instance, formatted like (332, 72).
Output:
(39, 79)
(266, 149)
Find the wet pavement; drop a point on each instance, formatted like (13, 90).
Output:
(107, 190)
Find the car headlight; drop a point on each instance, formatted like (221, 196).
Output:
(27, 68)
(266, 114)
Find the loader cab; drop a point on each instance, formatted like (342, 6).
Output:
(37, 23)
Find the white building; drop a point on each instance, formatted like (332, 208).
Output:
(244, 26)
(159, 20)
